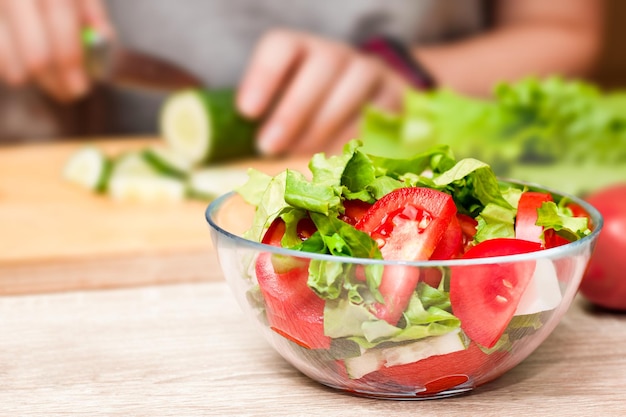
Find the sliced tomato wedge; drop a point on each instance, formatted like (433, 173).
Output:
(354, 210)
(451, 244)
(450, 247)
(525, 227)
(408, 224)
(552, 239)
(485, 297)
(293, 310)
(468, 227)
(441, 372)
(274, 234)
(577, 210)
(305, 228)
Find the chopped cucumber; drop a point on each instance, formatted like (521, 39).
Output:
(413, 352)
(359, 366)
(205, 126)
(133, 164)
(144, 189)
(134, 179)
(168, 162)
(374, 359)
(210, 183)
(543, 292)
(89, 168)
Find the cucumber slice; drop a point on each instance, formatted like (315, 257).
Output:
(134, 179)
(146, 190)
(376, 358)
(210, 183)
(132, 164)
(205, 126)
(168, 162)
(359, 366)
(543, 292)
(89, 168)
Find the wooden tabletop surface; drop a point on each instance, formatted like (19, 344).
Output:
(187, 350)
(55, 236)
(77, 340)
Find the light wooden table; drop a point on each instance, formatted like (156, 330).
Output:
(57, 237)
(187, 350)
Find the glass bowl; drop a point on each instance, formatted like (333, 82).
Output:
(440, 349)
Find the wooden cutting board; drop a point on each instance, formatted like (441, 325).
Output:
(55, 236)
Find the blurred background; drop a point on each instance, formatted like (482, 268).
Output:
(87, 116)
(611, 71)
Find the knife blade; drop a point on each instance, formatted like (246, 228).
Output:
(108, 61)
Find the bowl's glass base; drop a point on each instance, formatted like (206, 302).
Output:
(406, 395)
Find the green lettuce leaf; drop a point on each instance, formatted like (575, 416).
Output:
(428, 315)
(270, 206)
(252, 191)
(329, 278)
(551, 216)
(547, 131)
(329, 171)
(495, 222)
(306, 195)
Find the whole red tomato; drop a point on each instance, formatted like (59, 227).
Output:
(604, 283)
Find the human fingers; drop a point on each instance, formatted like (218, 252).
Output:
(27, 34)
(387, 95)
(93, 13)
(32, 50)
(12, 72)
(346, 99)
(63, 27)
(269, 70)
(348, 131)
(68, 80)
(315, 76)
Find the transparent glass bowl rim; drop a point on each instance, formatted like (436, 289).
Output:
(552, 253)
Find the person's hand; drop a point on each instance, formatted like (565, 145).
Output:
(309, 92)
(40, 43)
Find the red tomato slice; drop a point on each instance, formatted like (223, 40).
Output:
(451, 244)
(396, 286)
(292, 308)
(431, 276)
(354, 211)
(441, 372)
(274, 234)
(468, 227)
(305, 228)
(552, 239)
(577, 210)
(525, 227)
(484, 297)
(276, 231)
(408, 224)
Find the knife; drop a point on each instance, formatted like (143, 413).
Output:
(112, 63)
